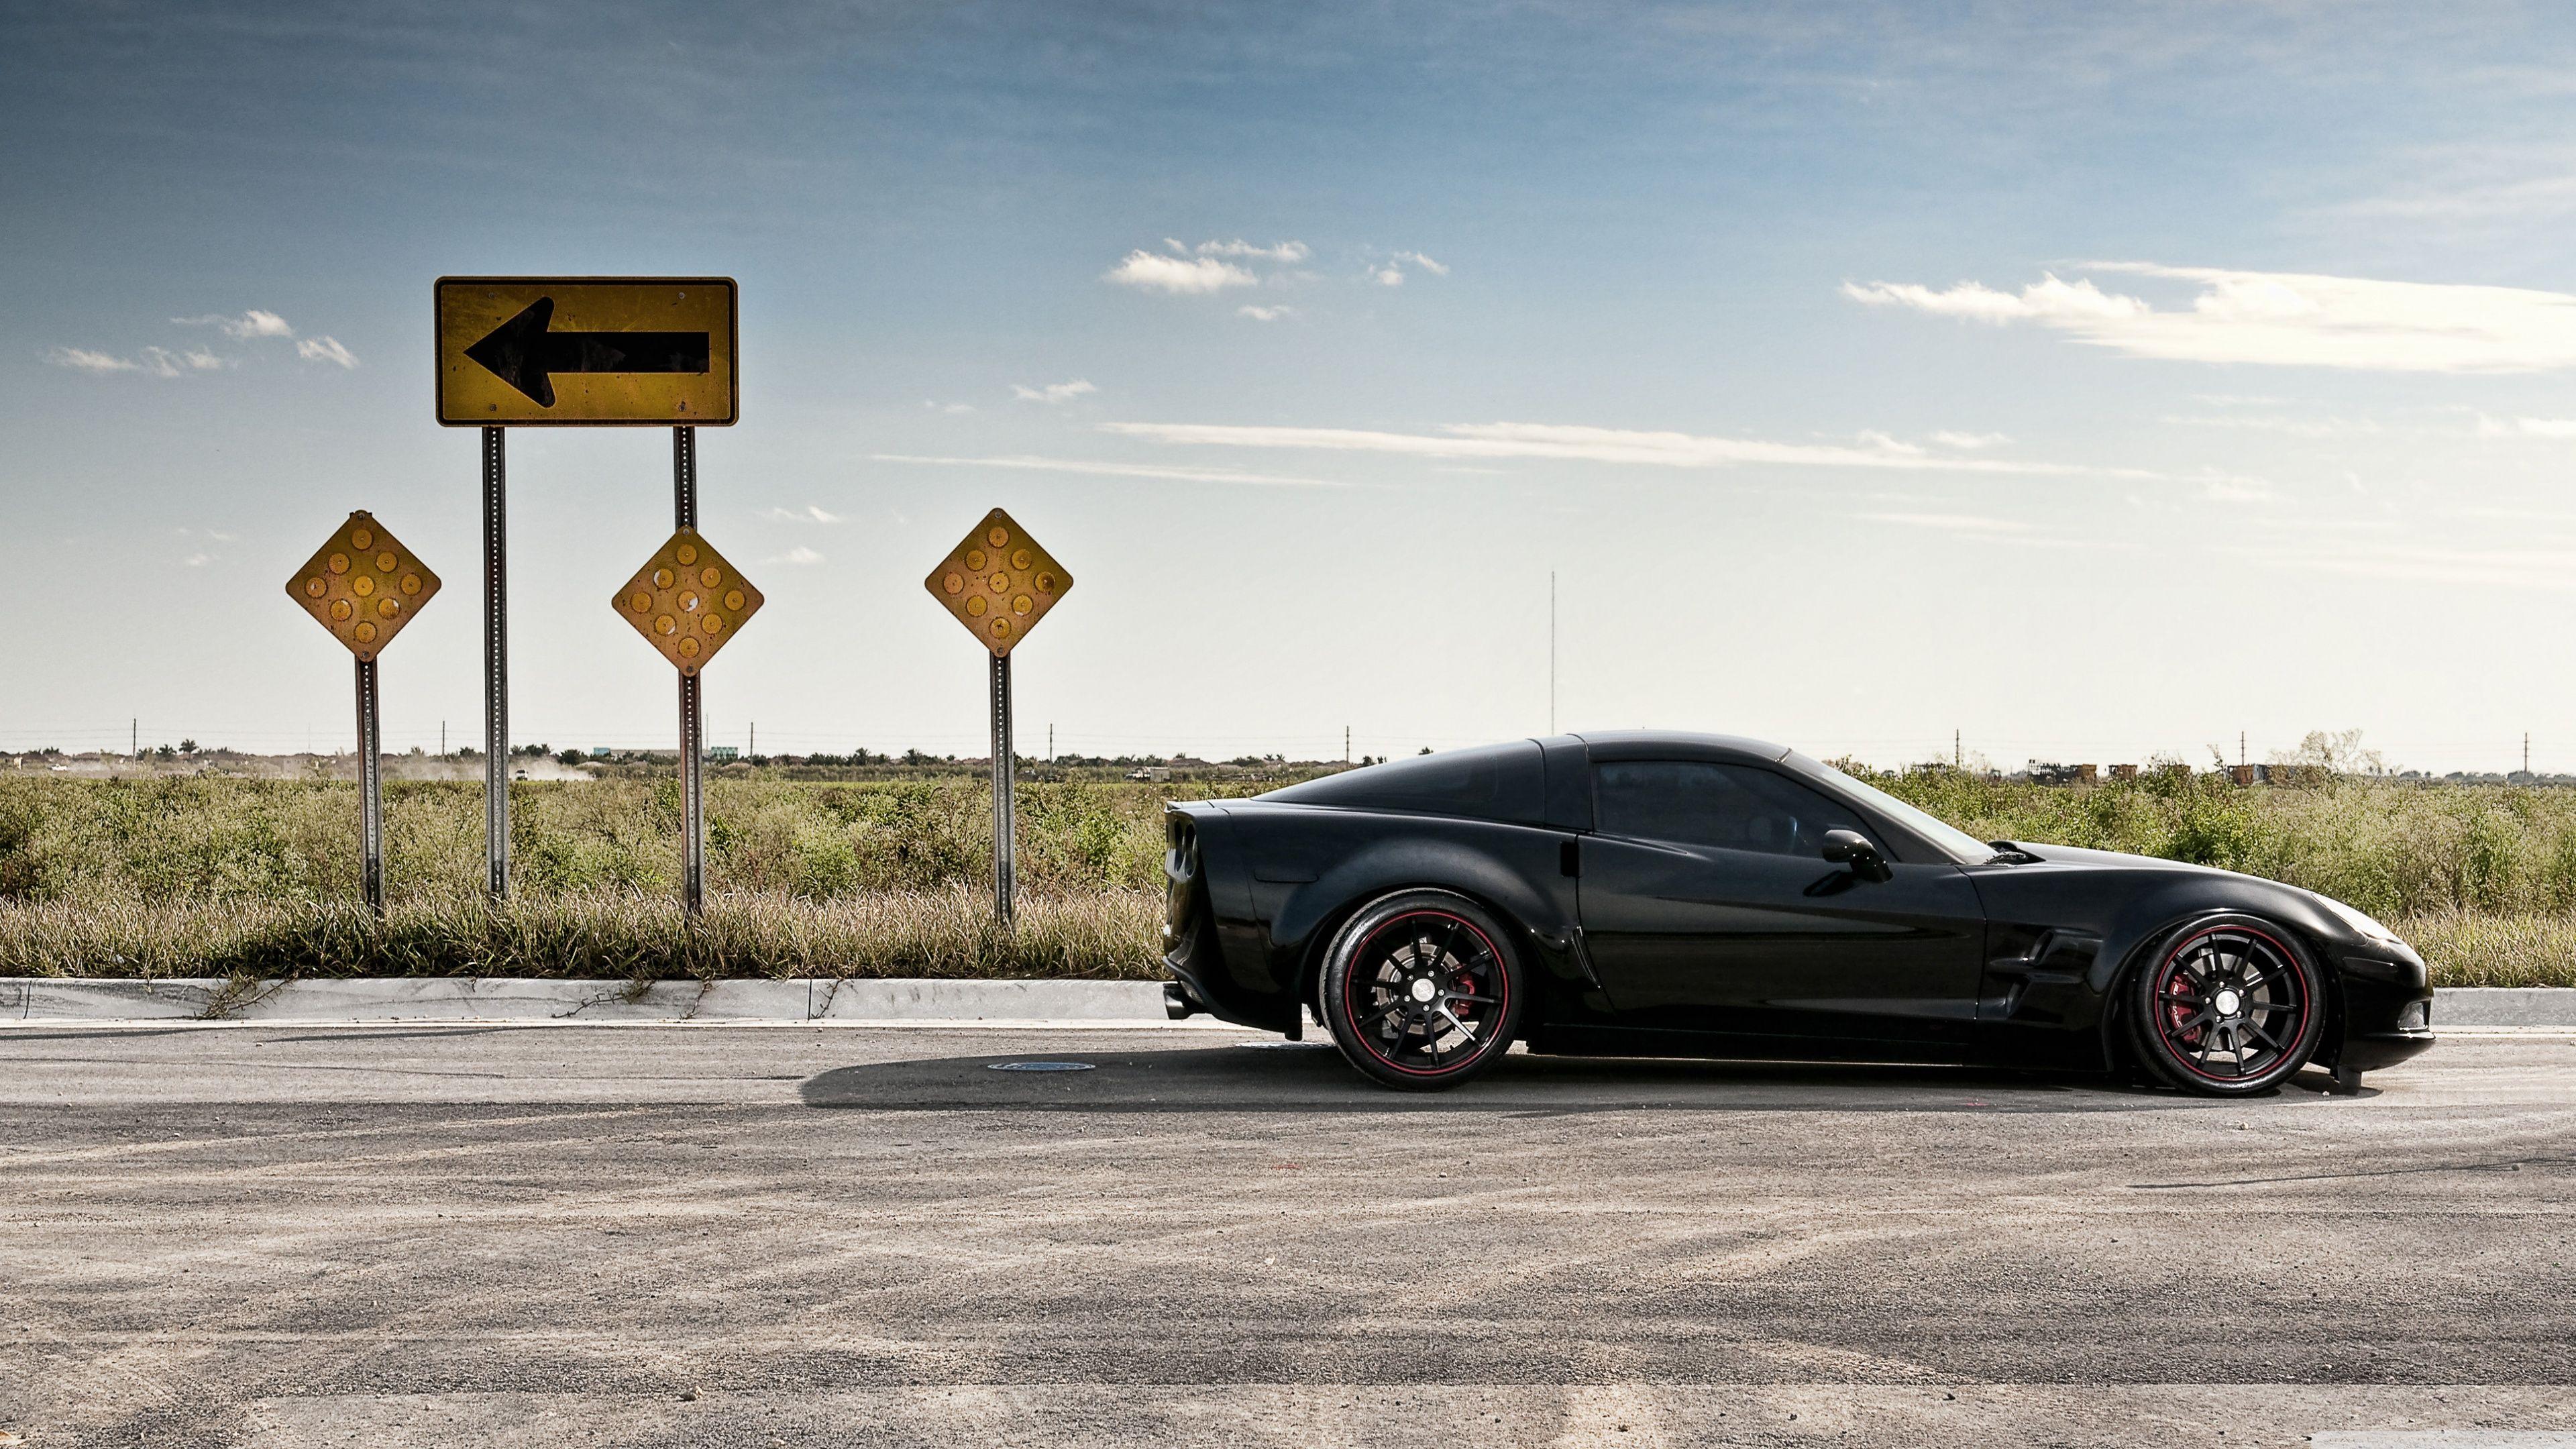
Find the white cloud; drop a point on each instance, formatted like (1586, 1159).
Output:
(937, 406)
(1971, 441)
(325, 349)
(1120, 470)
(1265, 314)
(1053, 393)
(1391, 273)
(2528, 427)
(81, 359)
(2279, 318)
(1602, 445)
(1968, 524)
(807, 514)
(797, 555)
(1289, 251)
(2553, 570)
(198, 560)
(1192, 276)
(253, 323)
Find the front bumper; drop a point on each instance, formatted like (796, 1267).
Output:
(2387, 1011)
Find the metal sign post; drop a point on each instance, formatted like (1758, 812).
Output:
(364, 586)
(1005, 823)
(687, 601)
(371, 792)
(998, 583)
(693, 723)
(496, 664)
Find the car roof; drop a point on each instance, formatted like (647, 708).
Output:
(1686, 744)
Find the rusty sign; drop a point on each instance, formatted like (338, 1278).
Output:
(687, 601)
(363, 585)
(998, 582)
(586, 351)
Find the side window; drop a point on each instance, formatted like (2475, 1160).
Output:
(1732, 807)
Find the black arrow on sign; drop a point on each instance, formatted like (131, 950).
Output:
(522, 353)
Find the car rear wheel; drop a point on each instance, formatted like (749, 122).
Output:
(2227, 1007)
(1422, 990)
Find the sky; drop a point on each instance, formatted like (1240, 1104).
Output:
(2091, 382)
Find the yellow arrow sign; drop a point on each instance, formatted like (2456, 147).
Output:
(363, 585)
(594, 351)
(687, 601)
(998, 582)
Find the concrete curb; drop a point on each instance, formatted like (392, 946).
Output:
(73, 999)
(55, 999)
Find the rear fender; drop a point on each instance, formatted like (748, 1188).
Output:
(1307, 919)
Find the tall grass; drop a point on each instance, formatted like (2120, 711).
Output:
(217, 876)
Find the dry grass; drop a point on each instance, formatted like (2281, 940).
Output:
(222, 876)
(1105, 934)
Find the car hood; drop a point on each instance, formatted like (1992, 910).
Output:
(2071, 855)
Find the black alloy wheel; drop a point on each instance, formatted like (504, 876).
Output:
(2227, 1007)
(1422, 990)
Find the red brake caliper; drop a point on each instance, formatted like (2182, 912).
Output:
(2179, 1012)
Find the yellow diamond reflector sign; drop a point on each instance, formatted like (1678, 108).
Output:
(687, 601)
(586, 351)
(998, 582)
(363, 585)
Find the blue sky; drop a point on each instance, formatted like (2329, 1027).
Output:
(2093, 383)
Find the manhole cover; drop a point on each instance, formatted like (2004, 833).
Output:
(1037, 1066)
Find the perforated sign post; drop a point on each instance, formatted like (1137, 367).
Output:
(364, 586)
(555, 352)
(687, 601)
(999, 582)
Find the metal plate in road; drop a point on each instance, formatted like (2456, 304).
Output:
(587, 352)
(998, 582)
(363, 585)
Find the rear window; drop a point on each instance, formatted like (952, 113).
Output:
(1490, 782)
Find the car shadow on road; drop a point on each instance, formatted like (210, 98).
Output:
(1312, 1077)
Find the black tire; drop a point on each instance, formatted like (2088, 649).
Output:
(1422, 990)
(2228, 1006)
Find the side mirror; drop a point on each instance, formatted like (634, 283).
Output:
(1851, 848)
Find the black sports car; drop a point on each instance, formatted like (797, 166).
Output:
(1702, 895)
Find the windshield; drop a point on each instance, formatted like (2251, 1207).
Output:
(1959, 844)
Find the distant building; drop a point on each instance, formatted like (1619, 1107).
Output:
(599, 752)
(724, 754)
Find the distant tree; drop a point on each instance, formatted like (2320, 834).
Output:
(570, 757)
(187, 747)
(1426, 749)
(166, 753)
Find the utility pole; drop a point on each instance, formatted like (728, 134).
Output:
(753, 747)
(2526, 752)
(1050, 742)
(1346, 740)
(2240, 749)
(1958, 760)
(1551, 666)
(134, 745)
(442, 739)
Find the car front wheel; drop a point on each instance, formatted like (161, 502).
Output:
(2227, 1007)
(1422, 990)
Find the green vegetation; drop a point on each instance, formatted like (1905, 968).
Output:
(222, 876)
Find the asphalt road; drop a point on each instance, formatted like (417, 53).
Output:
(721, 1236)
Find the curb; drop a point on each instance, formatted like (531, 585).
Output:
(47, 999)
(898, 1000)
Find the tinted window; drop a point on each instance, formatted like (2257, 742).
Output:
(1492, 782)
(1734, 807)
